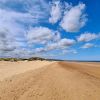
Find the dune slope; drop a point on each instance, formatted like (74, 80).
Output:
(56, 81)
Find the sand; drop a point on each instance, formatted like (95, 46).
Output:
(8, 69)
(51, 81)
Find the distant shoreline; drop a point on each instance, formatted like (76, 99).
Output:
(42, 59)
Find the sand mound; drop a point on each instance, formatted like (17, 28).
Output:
(56, 81)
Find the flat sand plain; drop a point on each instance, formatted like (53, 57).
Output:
(43, 80)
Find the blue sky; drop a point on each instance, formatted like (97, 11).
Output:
(59, 29)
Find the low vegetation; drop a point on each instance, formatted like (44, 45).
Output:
(27, 59)
(21, 59)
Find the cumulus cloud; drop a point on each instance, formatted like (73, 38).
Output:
(74, 18)
(56, 12)
(63, 43)
(69, 51)
(21, 33)
(41, 35)
(15, 22)
(87, 45)
(19, 53)
(85, 37)
(6, 43)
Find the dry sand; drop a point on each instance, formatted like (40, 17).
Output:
(8, 69)
(54, 81)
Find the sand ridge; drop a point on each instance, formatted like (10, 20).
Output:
(56, 81)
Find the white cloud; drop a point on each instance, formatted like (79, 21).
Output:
(7, 42)
(33, 13)
(11, 30)
(74, 18)
(19, 30)
(87, 45)
(66, 42)
(30, 13)
(69, 51)
(56, 12)
(63, 43)
(9, 19)
(41, 35)
(19, 53)
(15, 22)
(40, 49)
(85, 37)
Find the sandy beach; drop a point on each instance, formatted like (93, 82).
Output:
(8, 69)
(44, 80)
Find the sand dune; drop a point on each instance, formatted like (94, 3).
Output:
(54, 81)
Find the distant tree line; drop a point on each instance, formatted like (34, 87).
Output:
(27, 59)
